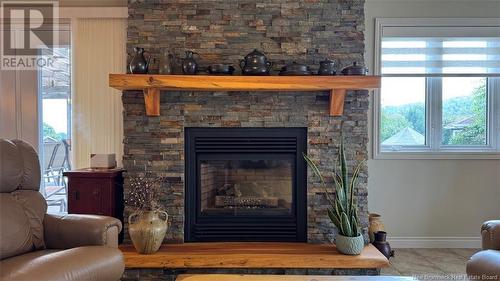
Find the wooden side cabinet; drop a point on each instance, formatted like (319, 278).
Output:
(96, 192)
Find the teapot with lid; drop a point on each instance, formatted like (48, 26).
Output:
(255, 63)
(295, 68)
(355, 69)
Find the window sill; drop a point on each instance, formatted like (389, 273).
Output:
(442, 155)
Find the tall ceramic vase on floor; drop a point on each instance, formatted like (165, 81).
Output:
(147, 230)
(375, 225)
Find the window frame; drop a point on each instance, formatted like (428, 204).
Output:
(433, 149)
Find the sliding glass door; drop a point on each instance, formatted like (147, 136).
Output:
(54, 107)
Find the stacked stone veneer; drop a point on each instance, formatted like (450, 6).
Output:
(171, 275)
(223, 31)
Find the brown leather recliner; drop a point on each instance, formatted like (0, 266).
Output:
(38, 246)
(485, 264)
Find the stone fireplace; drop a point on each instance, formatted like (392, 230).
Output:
(223, 32)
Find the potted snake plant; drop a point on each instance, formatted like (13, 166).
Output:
(342, 209)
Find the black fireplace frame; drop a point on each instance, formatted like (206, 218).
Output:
(250, 143)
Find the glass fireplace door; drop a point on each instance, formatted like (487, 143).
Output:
(246, 185)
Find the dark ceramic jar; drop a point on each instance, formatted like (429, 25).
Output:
(220, 69)
(355, 69)
(139, 64)
(295, 69)
(327, 67)
(382, 245)
(255, 63)
(189, 64)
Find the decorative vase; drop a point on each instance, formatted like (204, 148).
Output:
(147, 230)
(189, 64)
(375, 224)
(139, 64)
(382, 245)
(349, 245)
(327, 67)
(166, 63)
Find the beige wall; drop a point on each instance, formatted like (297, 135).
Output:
(427, 203)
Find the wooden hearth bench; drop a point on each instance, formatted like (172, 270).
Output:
(252, 255)
(151, 85)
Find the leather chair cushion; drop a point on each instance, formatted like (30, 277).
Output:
(35, 207)
(490, 232)
(31, 171)
(15, 230)
(69, 231)
(92, 263)
(11, 166)
(484, 264)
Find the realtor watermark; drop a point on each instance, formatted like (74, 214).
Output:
(28, 33)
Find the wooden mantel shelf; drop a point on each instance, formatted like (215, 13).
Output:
(252, 255)
(153, 84)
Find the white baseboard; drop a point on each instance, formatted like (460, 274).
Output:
(435, 242)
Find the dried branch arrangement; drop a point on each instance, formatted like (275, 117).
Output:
(145, 193)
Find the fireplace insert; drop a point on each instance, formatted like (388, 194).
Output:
(245, 184)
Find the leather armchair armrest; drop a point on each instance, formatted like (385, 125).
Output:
(490, 232)
(70, 231)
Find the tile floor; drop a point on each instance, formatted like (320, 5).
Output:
(445, 263)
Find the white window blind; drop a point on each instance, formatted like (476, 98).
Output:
(440, 55)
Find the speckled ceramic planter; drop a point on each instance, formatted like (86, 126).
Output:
(349, 245)
(147, 230)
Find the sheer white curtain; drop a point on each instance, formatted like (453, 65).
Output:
(99, 49)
